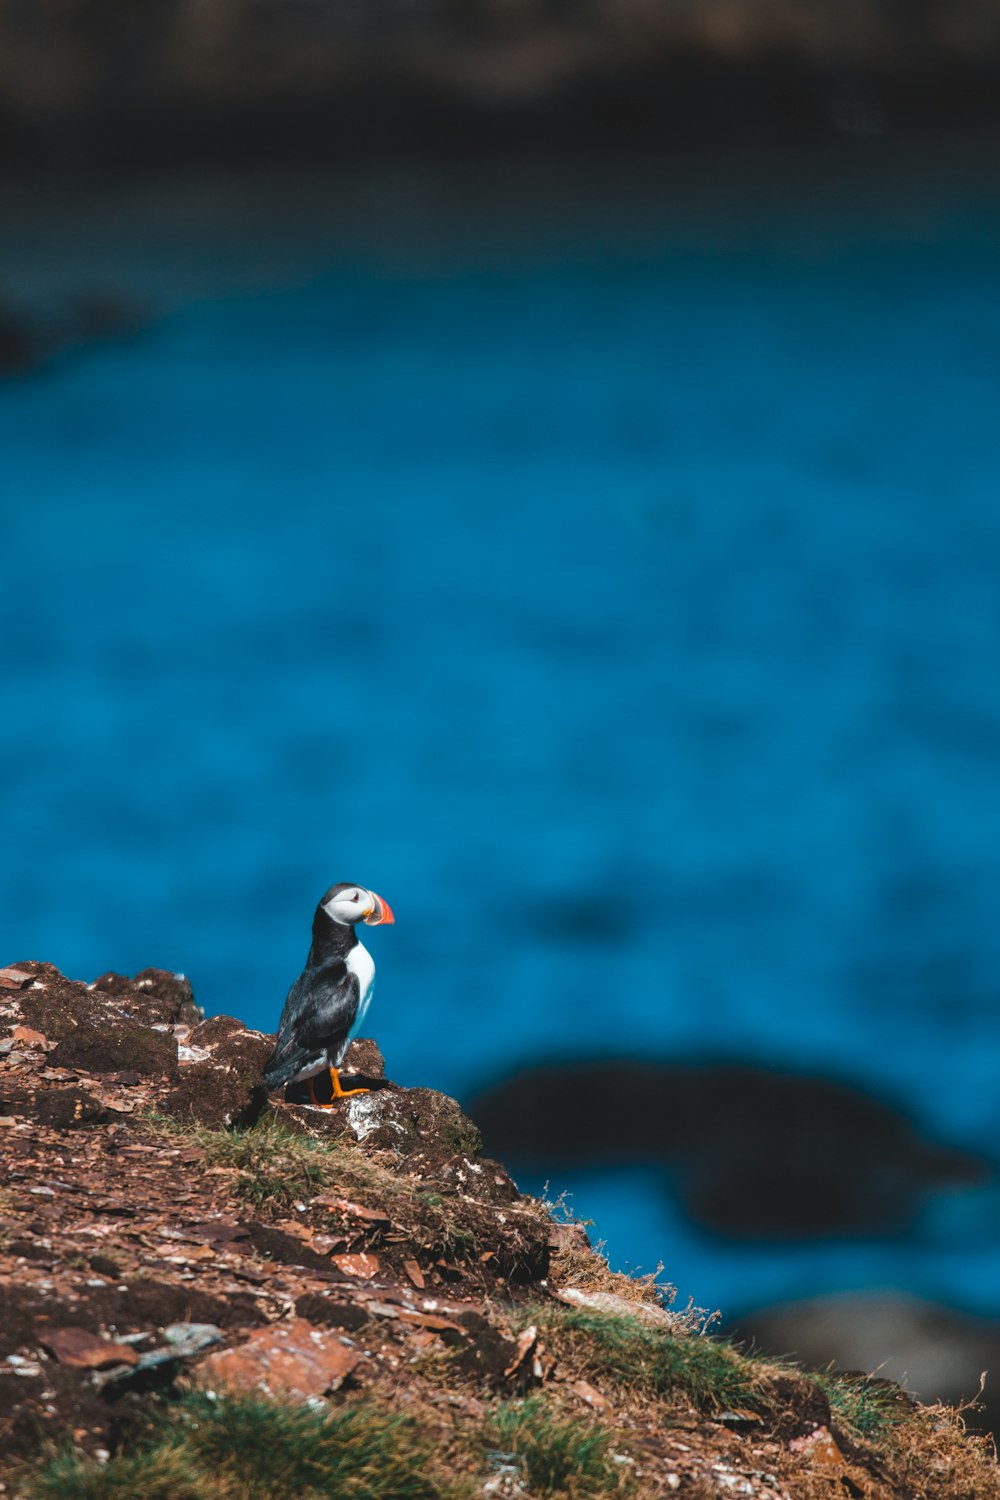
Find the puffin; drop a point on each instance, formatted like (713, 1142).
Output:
(327, 1003)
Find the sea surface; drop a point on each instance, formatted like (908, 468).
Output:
(601, 563)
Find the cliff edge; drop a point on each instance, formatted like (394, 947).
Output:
(209, 1294)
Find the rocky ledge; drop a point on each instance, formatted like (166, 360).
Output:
(359, 1285)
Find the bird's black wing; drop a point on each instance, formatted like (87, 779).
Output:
(317, 1017)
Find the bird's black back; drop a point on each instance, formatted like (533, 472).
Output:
(322, 1003)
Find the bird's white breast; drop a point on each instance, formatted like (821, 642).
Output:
(361, 964)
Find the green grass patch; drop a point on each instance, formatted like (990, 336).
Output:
(557, 1454)
(712, 1374)
(163, 1473)
(460, 1136)
(275, 1164)
(865, 1408)
(635, 1356)
(358, 1451)
(278, 1167)
(250, 1448)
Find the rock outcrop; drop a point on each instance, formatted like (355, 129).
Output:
(167, 1230)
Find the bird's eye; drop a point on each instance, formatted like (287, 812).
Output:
(356, 896)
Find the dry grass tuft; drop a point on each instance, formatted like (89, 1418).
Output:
(586, 1268)
(932, 1456)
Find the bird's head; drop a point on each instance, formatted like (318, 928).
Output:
(348, 904)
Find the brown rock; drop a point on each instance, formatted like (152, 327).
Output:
(801, 1405)
(526, 1341)
(364, 1267)
(87, 1351)
(587, 1393)
(215, 1232)
(14, 979)
(290, 1359)
(29, 1038)
(415, 1274)
(429, 1321)
(55, 1005)
(113, 984)
(819, 1448)
(345, 1208)
(288, 1250)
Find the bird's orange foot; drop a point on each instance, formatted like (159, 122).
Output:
(338, 1092)
(316, 1103)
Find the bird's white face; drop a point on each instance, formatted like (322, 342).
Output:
(353, 903)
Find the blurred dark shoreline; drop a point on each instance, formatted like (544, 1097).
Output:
(89, 84)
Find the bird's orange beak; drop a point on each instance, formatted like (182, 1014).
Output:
(380, 914)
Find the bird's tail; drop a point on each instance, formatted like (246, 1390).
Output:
(281, 1068)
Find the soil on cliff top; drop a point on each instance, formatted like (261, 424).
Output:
(165, 1227)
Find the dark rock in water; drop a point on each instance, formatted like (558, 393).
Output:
(91, 317)
(752, 1153)
(30, 337)
(17, 342)
(937, 1352)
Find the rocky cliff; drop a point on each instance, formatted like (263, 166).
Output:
(207, 1294)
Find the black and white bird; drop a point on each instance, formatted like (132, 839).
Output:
(327, 1003)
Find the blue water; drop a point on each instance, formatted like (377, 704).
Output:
(605, 570)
